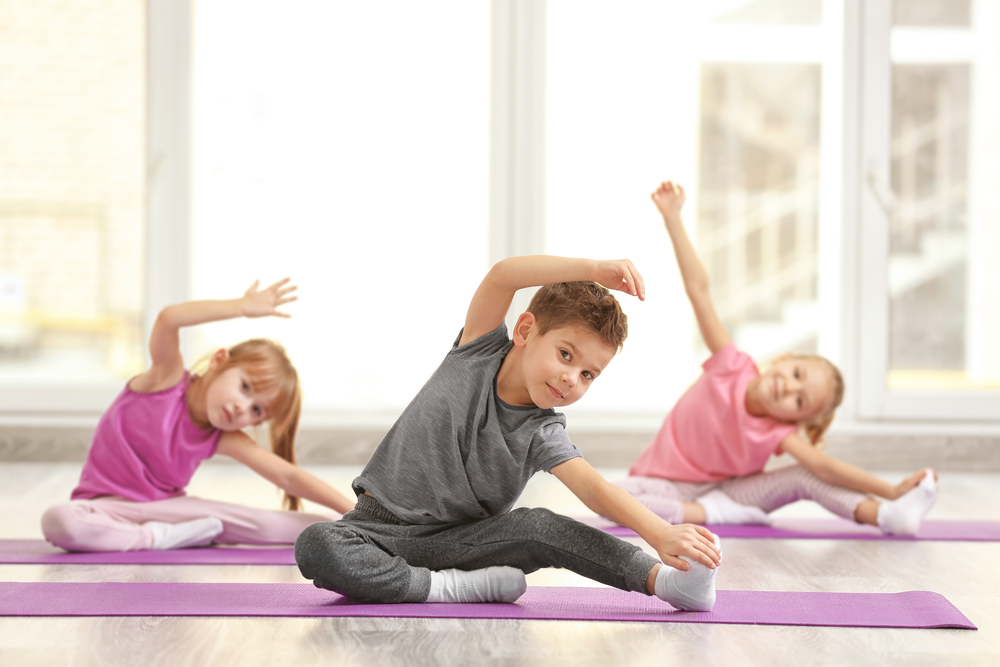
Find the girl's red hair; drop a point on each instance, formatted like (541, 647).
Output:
(272, 374)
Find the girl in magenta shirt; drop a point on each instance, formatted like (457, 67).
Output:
(705, 464)
(166, 421)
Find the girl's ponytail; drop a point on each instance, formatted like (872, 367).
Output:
(817, 427)
(282, 436)
(815, 430)
(271, 372)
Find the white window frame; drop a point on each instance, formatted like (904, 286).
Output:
(856, 282)
(168, 215)
(870, 179)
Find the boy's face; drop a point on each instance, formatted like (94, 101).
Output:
(559, 366)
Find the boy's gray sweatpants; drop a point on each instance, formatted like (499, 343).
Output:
(371, 555)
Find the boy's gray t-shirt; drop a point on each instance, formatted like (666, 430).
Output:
(458, 452)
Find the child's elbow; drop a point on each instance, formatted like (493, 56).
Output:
(500, 271)
(167, 317)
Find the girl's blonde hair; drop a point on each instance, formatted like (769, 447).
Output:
(818, 425)
(272, 374)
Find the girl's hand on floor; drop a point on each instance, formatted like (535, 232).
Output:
(911, 482)
(265, 302)
(695, 542)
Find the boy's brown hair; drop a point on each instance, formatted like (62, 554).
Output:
(581, 303)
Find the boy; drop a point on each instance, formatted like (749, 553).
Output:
(436, 494)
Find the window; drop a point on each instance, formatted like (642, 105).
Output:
(839, 158)
(930, 222)
(734, 101)
(72, 197)
(344, 145)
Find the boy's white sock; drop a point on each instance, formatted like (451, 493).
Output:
(195, 533)
(693, 590)
(490, 584)
(720, 508)
(904, 515)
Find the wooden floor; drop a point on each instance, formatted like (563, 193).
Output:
(966, 573)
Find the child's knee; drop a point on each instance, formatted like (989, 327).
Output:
(60, 525)
(539, 523)
(316, 550)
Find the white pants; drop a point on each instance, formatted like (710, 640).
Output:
(766, 490)
(110, 523)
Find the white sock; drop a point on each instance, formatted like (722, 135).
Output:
(720, 508)
(195, 533)
(491, 584)
(904, 515)
(693, 590)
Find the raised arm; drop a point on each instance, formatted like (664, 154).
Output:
(669, 199)
(493, 298)
(287, 476)
(606, 499)
(164, 341)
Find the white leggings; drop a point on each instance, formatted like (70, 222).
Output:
(766, 490)
(110, 523)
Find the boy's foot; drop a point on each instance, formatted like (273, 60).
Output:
(491, 584)
(195, 533)
(693, 590)
(720, 508)
(903, 516)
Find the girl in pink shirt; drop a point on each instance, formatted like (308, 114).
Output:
(166, 421)
(705, 464)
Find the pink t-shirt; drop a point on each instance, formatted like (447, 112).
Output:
(145, 447)
(709, 436)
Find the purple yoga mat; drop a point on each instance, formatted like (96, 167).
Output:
(43, 553)
(914, 609)
(835, 529)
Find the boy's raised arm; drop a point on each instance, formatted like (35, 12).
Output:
(493, 297)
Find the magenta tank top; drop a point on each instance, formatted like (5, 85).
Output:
(145, 447)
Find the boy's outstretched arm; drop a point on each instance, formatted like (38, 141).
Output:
(606, 499)
(493, 298)
(669, 199)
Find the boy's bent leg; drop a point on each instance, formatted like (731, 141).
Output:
(351, 558)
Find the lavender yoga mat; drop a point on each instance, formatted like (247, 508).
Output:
(913, 609)
(835, 529)
(43, 553)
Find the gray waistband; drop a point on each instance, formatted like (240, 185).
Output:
(376, 510)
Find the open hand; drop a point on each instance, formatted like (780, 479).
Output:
(669, 199)
(911, 482)
(686, 539)
(261, 303)
(621, 275)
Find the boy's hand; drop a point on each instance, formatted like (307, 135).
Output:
(261, 303)
(911, 482)
(669, 199)
(621, 275)
(695, 542)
